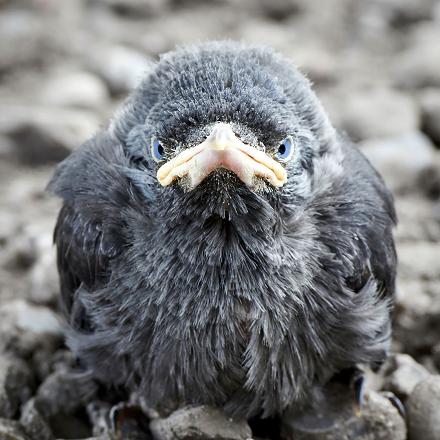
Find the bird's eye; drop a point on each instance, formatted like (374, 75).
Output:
(285, 149)
(157, 150)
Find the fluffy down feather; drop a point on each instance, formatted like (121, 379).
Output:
(246, 299)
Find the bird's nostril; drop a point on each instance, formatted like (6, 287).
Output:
(222, 136)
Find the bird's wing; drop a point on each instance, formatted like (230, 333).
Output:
(376, 256)
(82, 259)
(88, 233)
(354, 217)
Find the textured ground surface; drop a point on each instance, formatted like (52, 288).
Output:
(63, 70)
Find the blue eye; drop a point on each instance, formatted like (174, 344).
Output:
(285, 149)
(157, 150)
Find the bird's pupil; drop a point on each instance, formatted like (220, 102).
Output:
(160, 150)
(282, 149)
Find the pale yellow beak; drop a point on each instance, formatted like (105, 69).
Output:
(222, 149)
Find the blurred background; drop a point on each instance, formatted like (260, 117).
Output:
(66, 65)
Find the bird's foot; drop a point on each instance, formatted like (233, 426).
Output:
(358, 385)
(128, 421)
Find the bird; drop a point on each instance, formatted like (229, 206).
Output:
(221, 243)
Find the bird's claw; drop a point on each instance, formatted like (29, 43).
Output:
(358, 384)
(126, 418)
(115, 414)
(396, 402)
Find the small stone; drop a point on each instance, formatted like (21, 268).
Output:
(36, 319)
(278, 10)
(417, 313)
(436, 355)
(74, 89)
(43, 279)
(11, 430)
(29, 254)
(374, 112)
(33, 423)
(16, 383)
(436, 13)
(255, 30)
(430, 107)
(401, 13)
(419, 66)
(400, 159)
(429, 179)
(23, 255)
(200, 423)
(6, 148)
(411, 296)
(423, 408)
(419, 260)
(25, 327)
(46, 362)
(28, 245)
(120, 67)
(44, 135)
(320, 66)
(63, 392)
(27, 39)
(417, 219)
(135, 8)
(403, 374)
(378, 420)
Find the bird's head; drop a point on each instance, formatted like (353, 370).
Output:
(222, 123)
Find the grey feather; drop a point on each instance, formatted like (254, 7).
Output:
(248, 300)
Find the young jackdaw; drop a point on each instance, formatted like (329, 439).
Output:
(220, 243)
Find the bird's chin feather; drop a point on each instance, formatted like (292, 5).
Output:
(223, 194)
(226, 183)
